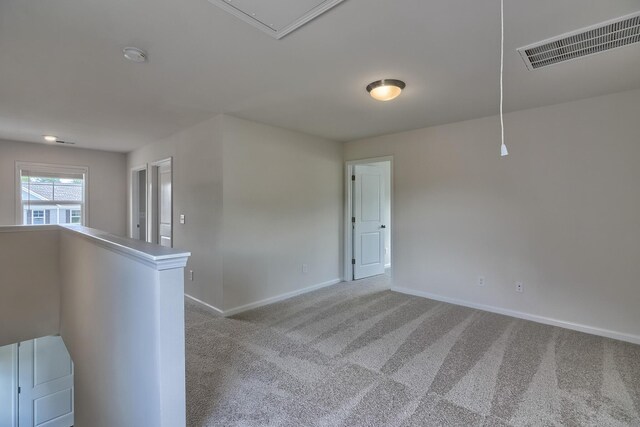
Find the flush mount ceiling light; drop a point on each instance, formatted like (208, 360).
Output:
(134, 54)
(385, 90)
(50, 138)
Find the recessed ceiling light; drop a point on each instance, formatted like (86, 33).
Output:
(134, 54)
(385, 90)
(50, 138)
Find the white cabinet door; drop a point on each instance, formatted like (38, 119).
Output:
(45, 373)
(368, 230)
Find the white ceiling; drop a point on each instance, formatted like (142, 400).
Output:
(62, 72)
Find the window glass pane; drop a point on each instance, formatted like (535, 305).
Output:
(54, 189)
(75, 216)
(38, 217)
(51, 198)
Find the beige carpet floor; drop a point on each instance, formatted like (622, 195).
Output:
(360, 355)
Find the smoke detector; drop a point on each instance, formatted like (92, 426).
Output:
(134, 54)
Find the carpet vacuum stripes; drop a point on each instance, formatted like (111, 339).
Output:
(360, 355)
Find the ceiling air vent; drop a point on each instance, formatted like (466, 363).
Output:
(587, 41)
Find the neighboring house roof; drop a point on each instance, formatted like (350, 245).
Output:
(48, 191)
(30, 195)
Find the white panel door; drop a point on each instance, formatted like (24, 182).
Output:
(368, 228)
(45, 378)
(165, 223)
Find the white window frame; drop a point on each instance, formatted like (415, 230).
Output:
(53, 169)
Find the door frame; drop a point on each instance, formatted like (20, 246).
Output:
(348, 213)
(152, 199)
(132, 198)
(13, 348)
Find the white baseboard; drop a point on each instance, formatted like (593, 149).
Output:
(208, 307)
(266, 301)
(280, 297)
(635, 339)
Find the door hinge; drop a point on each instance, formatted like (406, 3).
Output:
(19, 390)
(353, 177)
(353, 261)
(353, 219)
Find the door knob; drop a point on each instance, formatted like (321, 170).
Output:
(383, 226)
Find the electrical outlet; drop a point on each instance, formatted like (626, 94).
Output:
(481, 280)
(305, 268)
(182, 219)
(191, 275)
(519, 287)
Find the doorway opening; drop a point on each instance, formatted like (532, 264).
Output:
(139, 203)
(368, 218)
(161, 203)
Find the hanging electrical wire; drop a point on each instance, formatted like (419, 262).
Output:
(503, 147)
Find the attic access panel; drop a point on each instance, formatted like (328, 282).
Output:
(276, 17)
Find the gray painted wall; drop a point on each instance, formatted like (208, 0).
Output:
(250, 225)
(30, 285)
(197, 193)
(107, 180)
(119, 312)
(283, 196)
(123, 324)
(560, 213)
